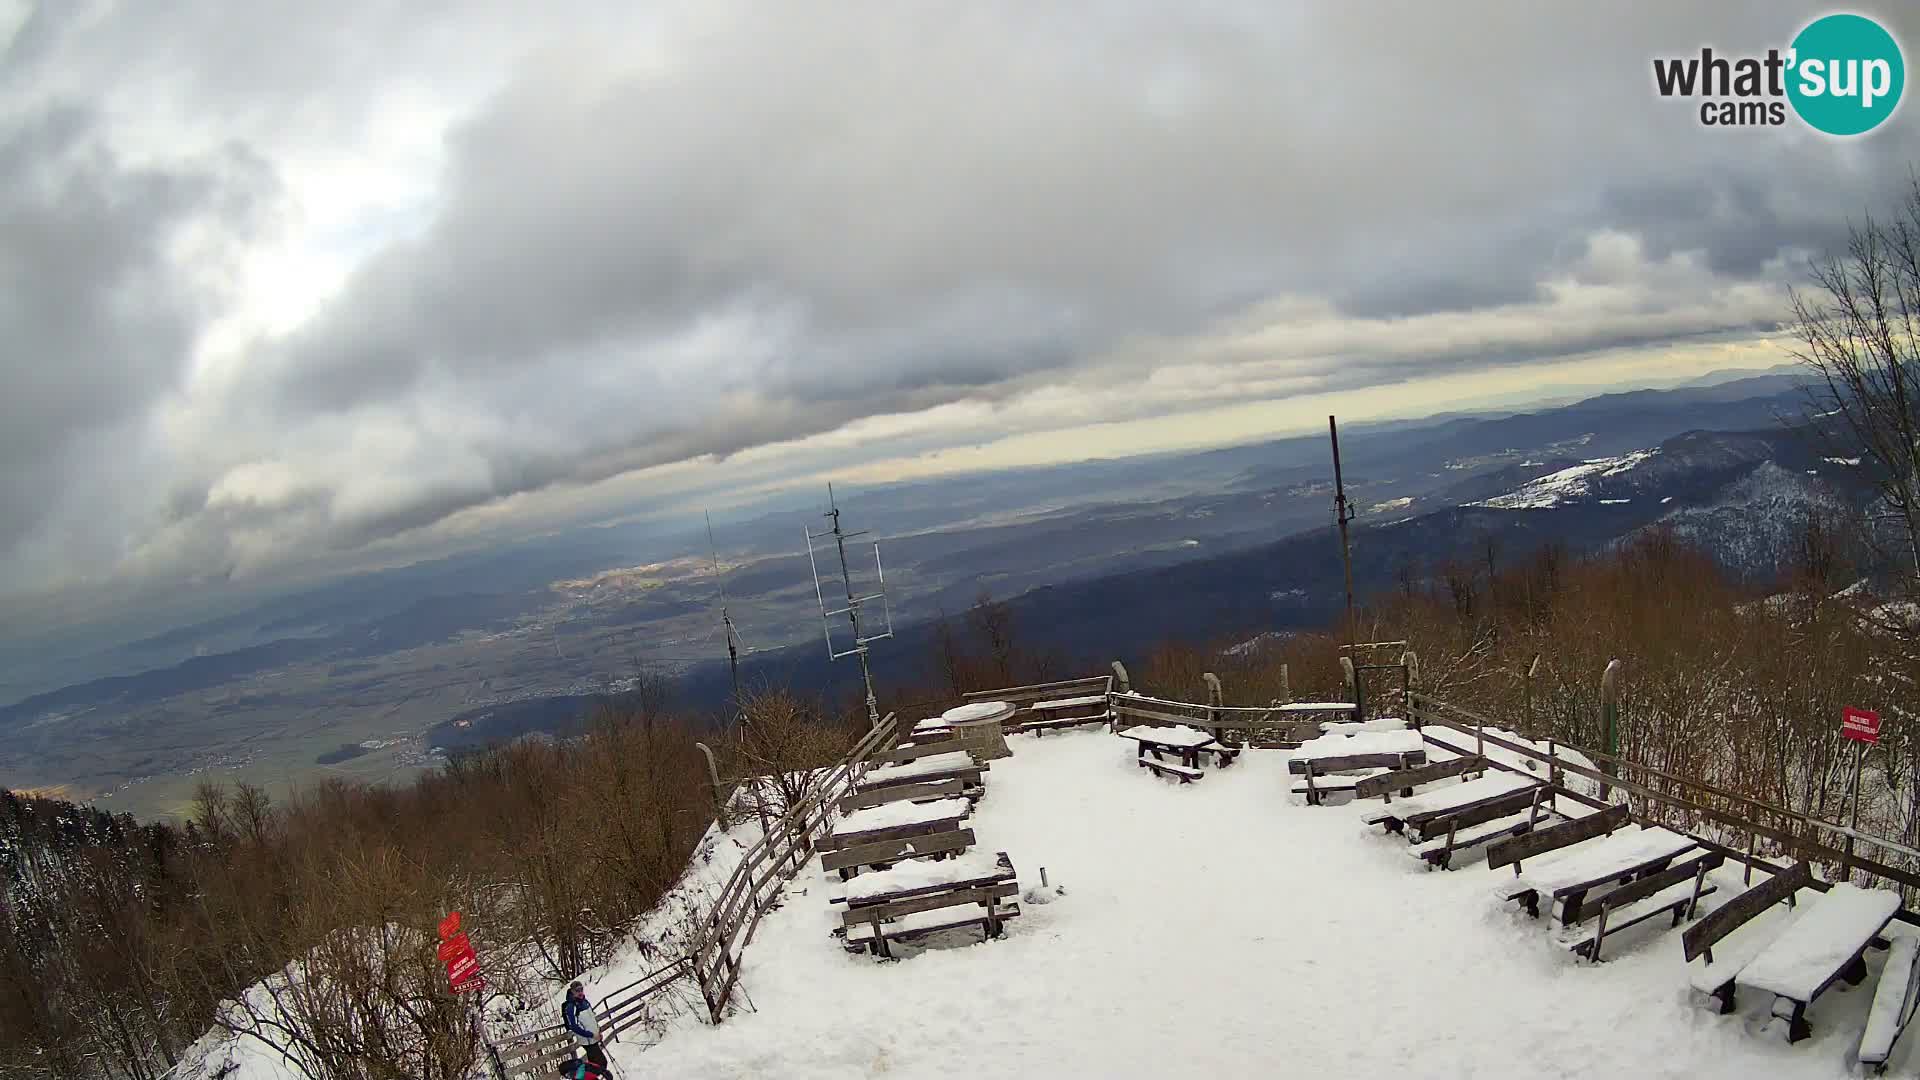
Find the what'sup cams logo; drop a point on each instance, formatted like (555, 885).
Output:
(1843, 75)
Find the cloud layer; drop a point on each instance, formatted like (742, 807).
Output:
(279, 292)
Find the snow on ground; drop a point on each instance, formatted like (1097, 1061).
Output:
(1223, 929)
(1563, 486)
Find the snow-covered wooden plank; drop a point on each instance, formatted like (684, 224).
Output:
(1893, 1002)
(1316, 706)
(893, 815)
(1829, 934)
(1069, 703)
(919, 768)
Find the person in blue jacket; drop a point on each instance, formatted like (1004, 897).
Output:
(582, 1023)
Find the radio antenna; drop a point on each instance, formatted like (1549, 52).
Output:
(854, 604)
(726, 620)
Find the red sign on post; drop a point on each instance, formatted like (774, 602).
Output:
(1860, 725)
(456, 951)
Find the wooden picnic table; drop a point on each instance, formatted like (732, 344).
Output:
(904, 881)
(1825, 944)
(898, 820)
(956, 763)
(1567, 876)
(1188, 742)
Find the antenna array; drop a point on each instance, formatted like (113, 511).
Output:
(854, 603)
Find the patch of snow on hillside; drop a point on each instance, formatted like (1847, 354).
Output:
(1841, 460)
(1390, 505)
(1614, 502)
(1257, 643)
(1566, 485)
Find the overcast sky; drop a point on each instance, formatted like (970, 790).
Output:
(286, 282)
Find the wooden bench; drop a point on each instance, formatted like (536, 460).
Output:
(900, 755)
(1405, 780)
(873, 927)
(1324, 764)
(1318, 784)
(536, 1054)
(1698, 942)
(1474, 826)
(1493, 795)
(950, 764)
(1894, 1000)
(895, 821)
(1046, 715)
(925, 792)
(1182, 773)
(847, 860)
(1662, 893)
(967, 871)
(1438, 852)
(1826, 944)
(1620, 857)
(1513, 852)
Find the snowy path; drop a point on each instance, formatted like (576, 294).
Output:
(1221, 930)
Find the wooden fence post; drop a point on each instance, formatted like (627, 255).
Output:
(1215, 698)
(1610, 721)
(1120, 677)
(713, 776)
(1286, 686)
(1352, 678)
(1533, 670)
(1410, 663)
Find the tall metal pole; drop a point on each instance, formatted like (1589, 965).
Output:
(852, 610)
(1343, 514)
(726, 620)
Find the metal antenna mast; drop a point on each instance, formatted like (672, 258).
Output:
(733, 649)
(1342, 513)
(854, 602)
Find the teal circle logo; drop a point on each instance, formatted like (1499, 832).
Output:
(1846, 74)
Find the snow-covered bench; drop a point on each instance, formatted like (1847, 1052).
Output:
(1329, 775)
(895, 821)
(1054, 713)
(1439, 851)
(872, 927)
(914, 878)
(919, 792)
(1825, 944)
(948, 763)
(1565, 878)
(1894, 1000)
(1675, 891)
(846, 860)
(1405, 780)
(1716, 978)
(1496, 794)
(1513, 852)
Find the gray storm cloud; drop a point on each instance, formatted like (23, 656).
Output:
(731, 226)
